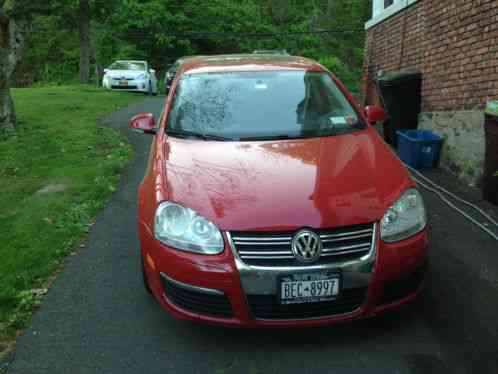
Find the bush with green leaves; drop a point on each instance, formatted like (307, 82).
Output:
(136, 29)
(350, 77)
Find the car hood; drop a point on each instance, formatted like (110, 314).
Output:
(284, 185)
(124, 73)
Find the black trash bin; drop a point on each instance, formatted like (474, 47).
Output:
(490, 178)
(401, 95)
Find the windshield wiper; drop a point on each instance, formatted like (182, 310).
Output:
(331, 132)
(191, 134)
(359, 125)
(268, 137)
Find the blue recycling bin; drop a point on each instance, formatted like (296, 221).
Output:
(419, 148)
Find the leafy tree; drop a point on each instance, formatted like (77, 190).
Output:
(15, 17)
(163, 30)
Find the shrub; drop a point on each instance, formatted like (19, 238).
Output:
(350, 77)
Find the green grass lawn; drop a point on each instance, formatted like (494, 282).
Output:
(59, 143)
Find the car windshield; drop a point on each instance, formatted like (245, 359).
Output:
(261, 105)
(127, 65)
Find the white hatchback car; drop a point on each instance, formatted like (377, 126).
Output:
(131, 76)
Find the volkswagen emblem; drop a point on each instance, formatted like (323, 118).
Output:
(306, 246)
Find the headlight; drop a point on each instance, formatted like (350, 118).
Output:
(405, 218)
(141, 77)
(184, 229)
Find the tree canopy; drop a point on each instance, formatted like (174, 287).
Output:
(161, 31)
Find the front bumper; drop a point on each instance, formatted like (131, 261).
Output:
(132, 85)
(198, 287)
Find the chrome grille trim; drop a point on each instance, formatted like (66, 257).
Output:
(274, 249)
(346, 248)
(369, 231)
(242, 238)
(264, 243)
(367, 235)
(242, 253)
(268, 257)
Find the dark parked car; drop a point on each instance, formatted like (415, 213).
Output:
(171, 73)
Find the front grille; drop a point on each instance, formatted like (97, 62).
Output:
(211, 304)
(268, 306)
(274, 248)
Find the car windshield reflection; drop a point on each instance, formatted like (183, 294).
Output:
(262, 105)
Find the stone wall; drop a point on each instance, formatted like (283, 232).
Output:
(463, 146)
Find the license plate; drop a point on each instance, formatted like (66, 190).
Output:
(309, 288)
(123, 83)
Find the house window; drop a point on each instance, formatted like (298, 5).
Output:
(383, 9)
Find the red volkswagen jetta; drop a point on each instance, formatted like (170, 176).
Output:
(270, 200)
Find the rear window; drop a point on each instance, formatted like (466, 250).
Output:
(245, 105)
(128, 65)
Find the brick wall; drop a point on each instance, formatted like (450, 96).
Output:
(453, 42)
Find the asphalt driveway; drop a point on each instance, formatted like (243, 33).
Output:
(98, 319)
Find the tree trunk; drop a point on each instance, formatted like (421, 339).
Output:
(84, 41)
(7, 114)
(11, 42)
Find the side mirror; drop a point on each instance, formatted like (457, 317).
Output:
(144, 122)
(152, 71)
(106, 71)
(376, 114)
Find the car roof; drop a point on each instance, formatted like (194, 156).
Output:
(183, 59)
(270, 51)
(247, 62)
(133, 61)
